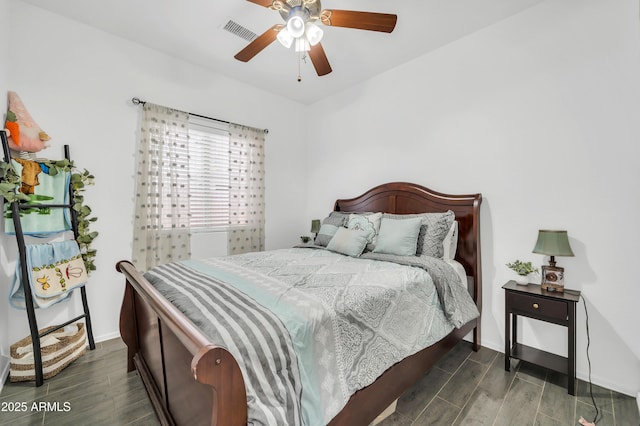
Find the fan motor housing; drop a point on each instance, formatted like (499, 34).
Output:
(311, 7)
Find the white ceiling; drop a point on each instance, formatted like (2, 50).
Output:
(192, 30)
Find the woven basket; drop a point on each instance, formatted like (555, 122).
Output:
(58, 350)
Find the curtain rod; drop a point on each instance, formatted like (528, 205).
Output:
(137, 101)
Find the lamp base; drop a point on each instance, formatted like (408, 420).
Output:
(553, 287)
(552, 278)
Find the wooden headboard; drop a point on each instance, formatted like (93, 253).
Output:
(407, 198)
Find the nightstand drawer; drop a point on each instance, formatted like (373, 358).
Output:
(538, 307)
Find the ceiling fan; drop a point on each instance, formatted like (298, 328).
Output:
(300, 28)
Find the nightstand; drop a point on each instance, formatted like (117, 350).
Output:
(558, 308)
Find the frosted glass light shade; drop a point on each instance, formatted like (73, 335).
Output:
(313, 33)
(295, 25)
(285, 38)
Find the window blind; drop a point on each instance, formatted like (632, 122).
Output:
(208, 173)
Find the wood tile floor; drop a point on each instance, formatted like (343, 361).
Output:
(96, 386)
(472, 388)
(466, 388)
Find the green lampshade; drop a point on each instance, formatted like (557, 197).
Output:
(553, 243)
(315, 226)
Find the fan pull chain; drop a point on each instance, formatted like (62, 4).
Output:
(299, 60)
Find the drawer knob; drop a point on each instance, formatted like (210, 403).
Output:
(536, 306)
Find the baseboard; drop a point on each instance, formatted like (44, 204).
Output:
(107, 336)
(4, 370)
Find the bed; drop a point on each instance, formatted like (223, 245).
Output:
(193, 380)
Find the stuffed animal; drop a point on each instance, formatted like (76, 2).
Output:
(23, 132)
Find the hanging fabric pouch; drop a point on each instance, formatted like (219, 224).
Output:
(55, 269)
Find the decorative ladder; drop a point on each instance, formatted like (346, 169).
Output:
(16, 206)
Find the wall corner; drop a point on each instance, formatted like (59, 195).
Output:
(4, 371)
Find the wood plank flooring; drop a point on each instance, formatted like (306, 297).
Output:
(96, 387)
(472, 388)
(465, 388)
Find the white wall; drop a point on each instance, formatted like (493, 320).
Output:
(4, 53)
(540, 114)
(77, 83)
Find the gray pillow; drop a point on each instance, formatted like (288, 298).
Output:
(398, 237)
(330, 225)
(348, 241)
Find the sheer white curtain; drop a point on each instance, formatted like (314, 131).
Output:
(246, 189)
(161, 224)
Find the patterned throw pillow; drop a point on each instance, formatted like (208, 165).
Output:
(436, 226)
(369, 223)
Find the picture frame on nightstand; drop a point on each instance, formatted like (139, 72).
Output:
(552, 278)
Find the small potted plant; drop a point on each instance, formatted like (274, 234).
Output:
(305, 239)
(523, 269)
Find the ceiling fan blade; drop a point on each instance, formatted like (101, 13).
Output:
(265, 3)
(257, 45)
(383, 22)
(319, 60)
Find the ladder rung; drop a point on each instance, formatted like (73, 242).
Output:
(23, 206)
(62, 325)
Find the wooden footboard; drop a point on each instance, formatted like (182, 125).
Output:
(189, 379)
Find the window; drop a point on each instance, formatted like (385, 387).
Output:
(195, 173)
(209, 159)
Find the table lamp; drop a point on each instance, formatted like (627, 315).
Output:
(315, 226)
(553, 243)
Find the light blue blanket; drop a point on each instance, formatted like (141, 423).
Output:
(55, 269)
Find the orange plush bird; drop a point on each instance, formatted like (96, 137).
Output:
(24, 134)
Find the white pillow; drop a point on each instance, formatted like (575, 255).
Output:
(450, 242)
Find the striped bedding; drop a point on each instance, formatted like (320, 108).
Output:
(310, 327)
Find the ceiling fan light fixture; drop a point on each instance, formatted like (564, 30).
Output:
(300, 18)
(314, 33)
(285, 38)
